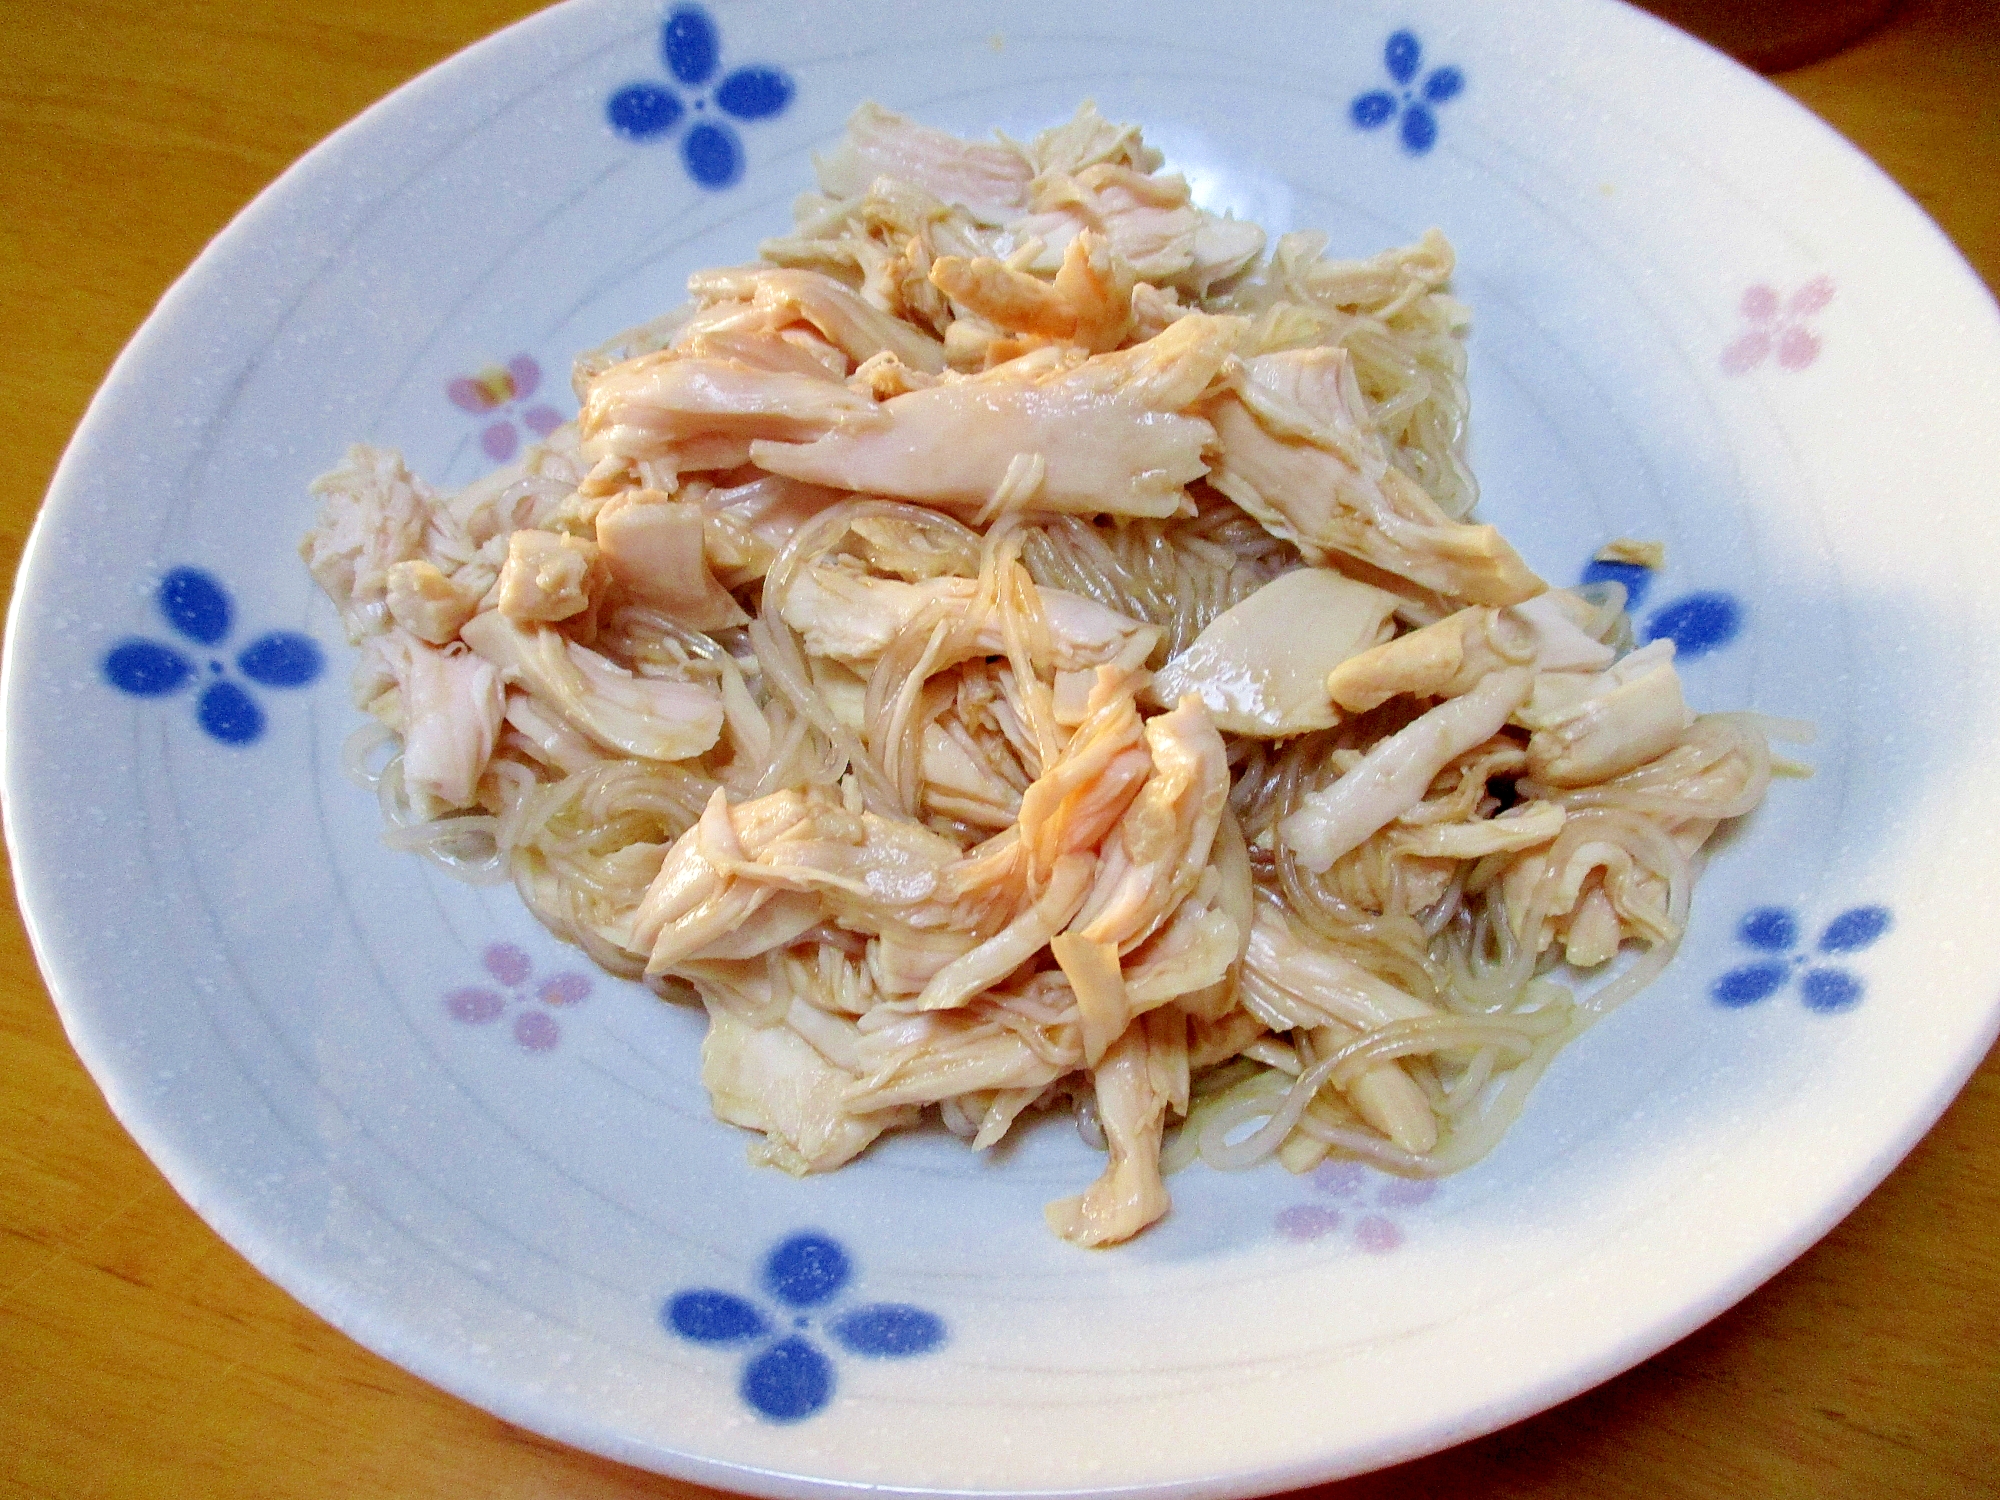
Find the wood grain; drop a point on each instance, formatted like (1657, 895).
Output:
(141, 1356)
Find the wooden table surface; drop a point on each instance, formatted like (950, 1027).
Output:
(139, 1355)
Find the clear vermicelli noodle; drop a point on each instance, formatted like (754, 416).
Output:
(1021, 647)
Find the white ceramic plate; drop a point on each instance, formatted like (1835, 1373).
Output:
(1700, 317)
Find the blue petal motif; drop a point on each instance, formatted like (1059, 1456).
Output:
(1372, 111)
(712, 155)
(1697, 624)
(690, 44)
(1854, 929)
(789, 1381)
(1636, 579)
(754, 93)
(1443, 84)
(786, 1377)
(1403, 54)
(1749, 984)
(229, 714)
(806, 1270)
(195, 605)
(1824, 990)
(146, 669)
(1830, 991)
(282, 659)
(889, 1330)
(641, 111)
(1772, 928)
(1420, 130)
(710, 1317)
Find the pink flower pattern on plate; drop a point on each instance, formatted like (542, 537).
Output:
(1366, 1200)
(504, 389)
(1778, 327)
(530, 999)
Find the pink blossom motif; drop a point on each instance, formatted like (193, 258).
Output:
(1778, 327)
(1365, 1204)
(504, 390)
(535, 1030)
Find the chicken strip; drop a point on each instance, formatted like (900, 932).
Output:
(1133, 1109)
(771, 298)
(646, 407)
(1109, 432)
(989, 181)
(1089, 303)
(852, 617)
(1261, 667)
(1449, 657)
(1395, 773)
(651, 717)
(1298, 451)
(654, 549)
(451, 704)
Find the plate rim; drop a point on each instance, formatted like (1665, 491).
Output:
(284, 1264)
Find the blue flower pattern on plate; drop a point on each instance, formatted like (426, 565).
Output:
(1825, 988)
(692, 48)
(788, 1378)
(1696, 623)
(201, 613)
(1415, 103)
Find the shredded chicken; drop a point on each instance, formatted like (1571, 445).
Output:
(703, 413)
(1017, 647)
(990, 182)
(851, 617)
(1393, 776)
(1111, 434)
(1298, 453)
(1262, 667)
(450, 706)
(1453, 655)
(650, 717)
(655, 549)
